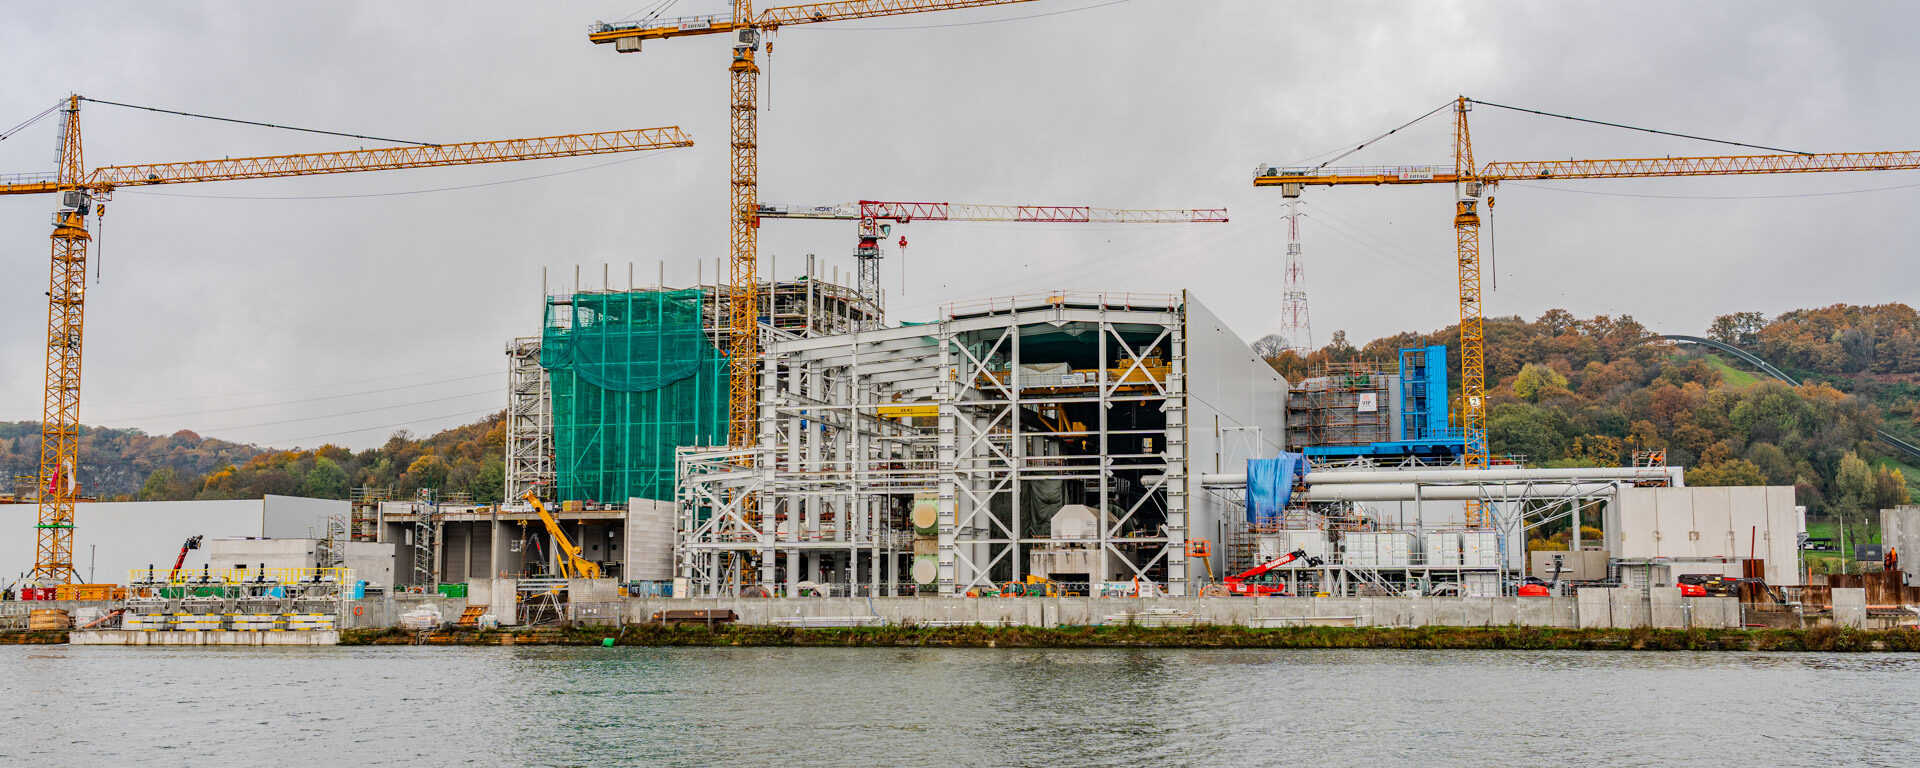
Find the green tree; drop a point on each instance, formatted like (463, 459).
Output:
(1536, 381)
(327, 480)
(490, 484)
(1729, 472)
(1521, 429)
(164, 484)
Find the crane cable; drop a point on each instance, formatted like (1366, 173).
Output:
(1637, 128)
(1364, 144)
(263, 125)
(29, 121)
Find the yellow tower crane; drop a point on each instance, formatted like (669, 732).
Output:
(80, 191)
(1471, 183)
(746, 28)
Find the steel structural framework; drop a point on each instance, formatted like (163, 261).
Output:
(991, 449)
(1513, 507)
(529, 422)
(827, 479)
(972, 410)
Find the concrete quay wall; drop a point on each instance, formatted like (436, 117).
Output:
(1611, 611)
(211, 637)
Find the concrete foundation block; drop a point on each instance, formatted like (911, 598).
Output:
(1629, 608)
(1850, 607)
(1595, 608)
(1667, 611)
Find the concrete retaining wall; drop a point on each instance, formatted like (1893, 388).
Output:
(221, 637)
(1610, 608)
(1592, 608)
(385, 611)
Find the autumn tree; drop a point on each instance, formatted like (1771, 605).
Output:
(1740, 329)
(1536, 381)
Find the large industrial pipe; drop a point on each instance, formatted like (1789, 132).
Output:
(1673, 475)
(1416, 492)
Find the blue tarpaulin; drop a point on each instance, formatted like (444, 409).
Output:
(1270, 484)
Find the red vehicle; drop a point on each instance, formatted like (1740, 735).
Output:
(1244, 584)
(193, 543)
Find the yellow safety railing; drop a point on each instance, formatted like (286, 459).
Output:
(239, 576)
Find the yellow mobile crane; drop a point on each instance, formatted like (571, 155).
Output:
(572, 565)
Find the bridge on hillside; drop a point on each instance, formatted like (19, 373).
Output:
(1909, 449)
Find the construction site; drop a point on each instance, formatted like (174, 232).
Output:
(770, 443)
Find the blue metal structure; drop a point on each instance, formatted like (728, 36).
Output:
(1423, 414)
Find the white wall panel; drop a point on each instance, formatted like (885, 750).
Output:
(113, 537)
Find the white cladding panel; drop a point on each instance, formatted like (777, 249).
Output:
(292, 517)
(649, 555)
(113, 537)
(1719, 522)
(1229, 390)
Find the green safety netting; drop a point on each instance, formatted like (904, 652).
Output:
(634, 377)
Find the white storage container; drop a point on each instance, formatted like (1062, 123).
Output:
(1396, 549)
(1314, 542)
(1362, 549)
(1443, 549)
(1480, 585)
(1480, 549)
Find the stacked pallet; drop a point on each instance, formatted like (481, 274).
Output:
(42, 619)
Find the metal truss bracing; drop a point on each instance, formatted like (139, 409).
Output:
(1063, 401)
(936, 458)
(529, 422)
(820, 505)
(998, 418)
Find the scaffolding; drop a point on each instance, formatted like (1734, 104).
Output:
(995, 418)
(364, 518)
(1348, 404)
(628, 377)
(426, 542)
(529, 459)
(331, 550)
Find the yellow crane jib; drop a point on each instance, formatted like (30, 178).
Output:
(1472, 181)
(746, 27)
(572, 564)
(81, 193)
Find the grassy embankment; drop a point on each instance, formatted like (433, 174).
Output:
(1424, 638)
(1734, 377)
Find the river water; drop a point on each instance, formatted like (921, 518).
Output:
(546, 706)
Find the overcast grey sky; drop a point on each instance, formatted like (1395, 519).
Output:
(332, 309)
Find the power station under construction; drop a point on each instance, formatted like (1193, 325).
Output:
(1059, 442)
(753, 436)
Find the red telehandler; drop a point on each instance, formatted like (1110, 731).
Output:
(1245, 584)
(193, 542)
